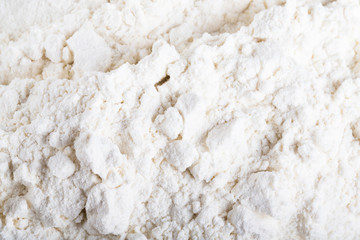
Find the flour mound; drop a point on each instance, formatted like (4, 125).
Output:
(179, 119)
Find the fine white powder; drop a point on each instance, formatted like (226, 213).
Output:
(157, 119)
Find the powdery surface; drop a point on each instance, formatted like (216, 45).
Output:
(179, 120)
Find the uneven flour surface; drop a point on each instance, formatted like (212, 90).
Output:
(194, 119)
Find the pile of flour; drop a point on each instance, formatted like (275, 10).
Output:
(157, 119)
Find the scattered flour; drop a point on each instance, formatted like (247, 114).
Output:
(179, 119)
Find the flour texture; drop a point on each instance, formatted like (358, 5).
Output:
(194, 119)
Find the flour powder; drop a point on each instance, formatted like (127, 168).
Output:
(157, 119)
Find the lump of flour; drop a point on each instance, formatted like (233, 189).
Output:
(180, 119)
(91, 52)
(108, 210)
(61, 166)
(180, 154)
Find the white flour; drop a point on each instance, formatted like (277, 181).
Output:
(179, 119)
